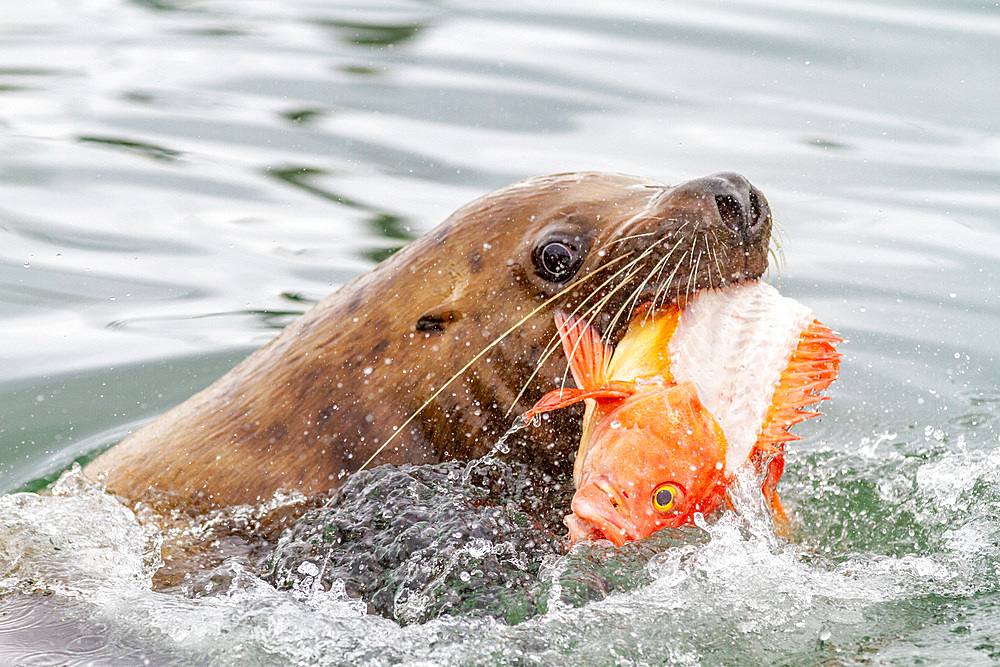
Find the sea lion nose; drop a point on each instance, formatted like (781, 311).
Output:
(741, 207)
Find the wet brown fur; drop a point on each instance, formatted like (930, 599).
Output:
(315, 403)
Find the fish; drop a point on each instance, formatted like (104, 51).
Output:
(690, 395)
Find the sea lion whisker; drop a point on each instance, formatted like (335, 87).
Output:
(632, 236)
(437, 392)
(590, 315)
(595, 309)
(706, 254)
(637, 291)
(780, 228)
(656, 270)
(652, 309)
(665, 285)
(694, 262)
(631, 301)
(716, 263)
(661, 291)
(776, 252)
(670, 254)
(553, 342)
(550, 347)
(594, 292)
(680, 240)
(776, 242)
(685, 260)
(631, 274)
(596, 305)
(693, 278)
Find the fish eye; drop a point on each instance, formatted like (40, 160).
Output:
(557, 259)
(665, 496)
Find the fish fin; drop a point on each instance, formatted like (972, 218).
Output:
(782, 522)
(587, 354)
(561, 398)
(775, 467)
(812, 367)
(770, 448)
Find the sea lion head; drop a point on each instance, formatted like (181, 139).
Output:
(591, 243)
(431, 354)
(594, 243)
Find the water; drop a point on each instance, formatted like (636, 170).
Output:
(180, 179)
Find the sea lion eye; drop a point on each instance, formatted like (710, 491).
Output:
(557, 260)
(664, 497)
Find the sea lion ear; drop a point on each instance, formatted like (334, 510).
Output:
(437, 319)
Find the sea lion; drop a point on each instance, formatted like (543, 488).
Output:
(363, 377)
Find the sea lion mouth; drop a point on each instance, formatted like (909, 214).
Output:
(707, 233)
(653, 299)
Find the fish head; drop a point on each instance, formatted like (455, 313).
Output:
(652, 463)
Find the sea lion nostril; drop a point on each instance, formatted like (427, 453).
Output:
(755, 210)
(760, 214)
(732, 213)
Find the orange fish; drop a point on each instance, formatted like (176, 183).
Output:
(654, 449)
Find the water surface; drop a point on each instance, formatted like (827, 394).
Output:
(181, 178)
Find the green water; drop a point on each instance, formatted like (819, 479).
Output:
(178, 179)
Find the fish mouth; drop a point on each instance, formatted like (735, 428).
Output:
(599, 511)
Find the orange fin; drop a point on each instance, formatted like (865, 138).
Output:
(561, 398)
(813, 366)
(782, 522)
(587, 354)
